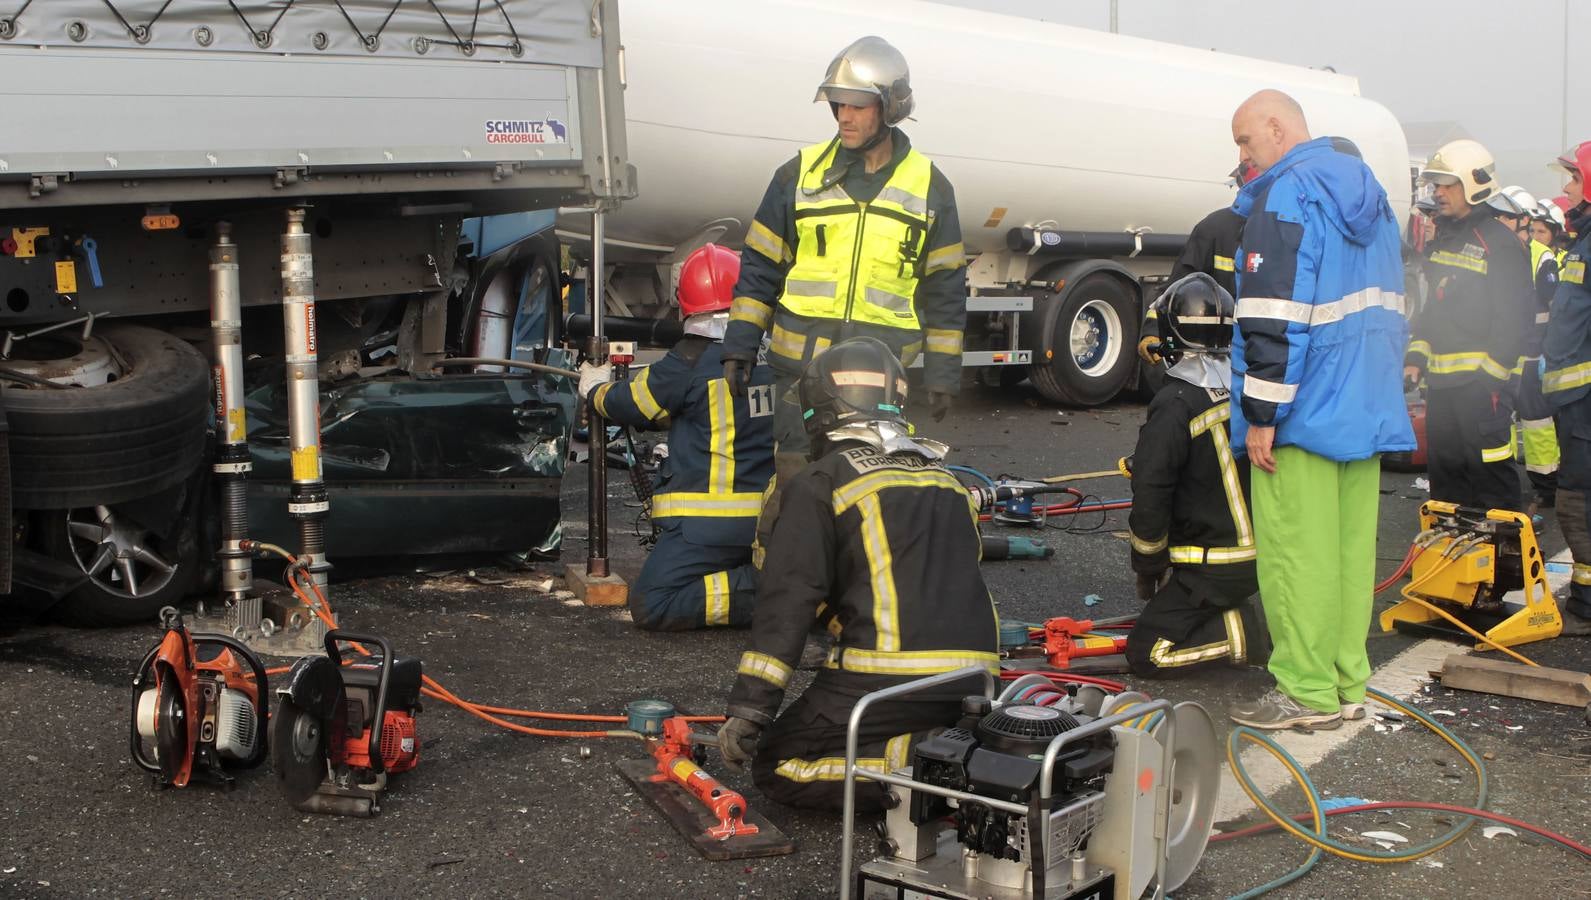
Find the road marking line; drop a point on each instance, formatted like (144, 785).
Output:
(1403, 677)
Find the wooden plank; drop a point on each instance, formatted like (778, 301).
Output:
(692, 819)
(596, 590)
(1511, 679)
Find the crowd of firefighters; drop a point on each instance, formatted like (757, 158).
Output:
(798, 499)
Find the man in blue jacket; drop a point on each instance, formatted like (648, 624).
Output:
(1317, 395)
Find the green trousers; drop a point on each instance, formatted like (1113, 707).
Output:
(1315, 530)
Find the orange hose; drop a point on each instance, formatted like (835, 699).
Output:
(434, 689)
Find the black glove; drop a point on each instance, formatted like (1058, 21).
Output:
(938, 404)
(737, 741)
(738, 373)
(1150, 585)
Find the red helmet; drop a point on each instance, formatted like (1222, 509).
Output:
(1575, 161)
(707, 280)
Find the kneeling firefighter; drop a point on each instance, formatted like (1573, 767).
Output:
(720, 459)
(1192, 541)
(878, 541)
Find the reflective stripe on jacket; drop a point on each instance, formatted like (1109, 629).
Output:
(1190, 494)
(887, 547)
(720, 446)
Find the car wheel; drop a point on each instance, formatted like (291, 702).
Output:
(132, 571)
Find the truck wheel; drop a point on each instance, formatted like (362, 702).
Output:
(132, 425)
(1086, 337)
(132, 572)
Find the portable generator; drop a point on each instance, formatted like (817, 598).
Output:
(1041, 793)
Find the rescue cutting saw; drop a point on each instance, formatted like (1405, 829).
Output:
(199, 707)
(341, 728)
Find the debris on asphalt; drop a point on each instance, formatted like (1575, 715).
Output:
(438, 863)
(1384, 836)
(1492, 831)
(1443, 712)
(1430, 863)
(1421, 484)
(1093, 600)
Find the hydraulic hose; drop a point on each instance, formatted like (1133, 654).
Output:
(1318, 839)
(435, 690)
(1565, 841)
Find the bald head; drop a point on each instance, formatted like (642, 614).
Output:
(1266, 126)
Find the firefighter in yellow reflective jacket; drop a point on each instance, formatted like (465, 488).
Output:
(705, 504)
(1192, 538)
(880, 542)
(1470, 334)
(856, 236)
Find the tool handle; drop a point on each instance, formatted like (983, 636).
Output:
(338, 635)
(262, 700)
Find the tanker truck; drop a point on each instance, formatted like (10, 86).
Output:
(1080, 159)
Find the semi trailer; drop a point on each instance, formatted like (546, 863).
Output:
(237, 241)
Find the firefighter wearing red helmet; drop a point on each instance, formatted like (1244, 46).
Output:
(1566, 382)
(704, 509)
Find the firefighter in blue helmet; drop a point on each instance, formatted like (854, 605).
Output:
(705, 505)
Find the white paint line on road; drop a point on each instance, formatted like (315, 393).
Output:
(1403, 676)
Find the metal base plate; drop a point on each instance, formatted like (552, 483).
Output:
(303, 633)
(691, 819)
(941, 876)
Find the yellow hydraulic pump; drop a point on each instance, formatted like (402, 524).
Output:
(1470, 559)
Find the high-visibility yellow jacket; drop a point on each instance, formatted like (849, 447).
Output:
(835, 252)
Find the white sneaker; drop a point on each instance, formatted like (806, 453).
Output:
(1353, 712)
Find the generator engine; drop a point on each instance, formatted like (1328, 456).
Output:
(1122, 810)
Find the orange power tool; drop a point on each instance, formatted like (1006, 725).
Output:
(1066, 639)
(676, 763)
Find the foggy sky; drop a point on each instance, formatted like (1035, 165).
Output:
(1496, 68)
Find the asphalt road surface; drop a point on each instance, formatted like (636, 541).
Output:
(490, 813)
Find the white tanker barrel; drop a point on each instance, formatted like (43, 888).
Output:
(1034, 123)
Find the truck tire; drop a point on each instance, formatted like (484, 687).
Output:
(1085, 338)
(132, 571)
(131, 437)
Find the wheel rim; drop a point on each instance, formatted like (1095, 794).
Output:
(122, 559)
(1096, 338)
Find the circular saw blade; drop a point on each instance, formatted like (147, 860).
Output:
(298, 750)
(172, 741)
